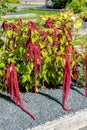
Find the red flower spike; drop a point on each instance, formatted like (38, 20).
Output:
(55, 37)
(33, 54)
(5, 25)
(19, 22)
(69, 32)
(11, 82)
(49, 23)
(86, 73)
(66, 82)
(13, 27)
(68, 49)
(31, 26)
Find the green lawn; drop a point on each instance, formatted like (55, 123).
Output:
(39, 12)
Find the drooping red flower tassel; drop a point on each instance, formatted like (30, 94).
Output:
(19, 22)
(66, 82)
(5, 25)
(86, 73)
(11, 83)
(33, 54)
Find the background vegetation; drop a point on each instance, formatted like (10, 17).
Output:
(76, 5)
(14, 1)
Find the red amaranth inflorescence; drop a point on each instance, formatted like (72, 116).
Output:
(11, 83)
(66, 82)
(86, 73)
(33, 54)
(5, 25)
(19, 22)
(49, 23)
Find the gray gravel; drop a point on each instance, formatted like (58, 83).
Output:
(46, 105)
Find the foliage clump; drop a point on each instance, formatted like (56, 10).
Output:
(76, 6)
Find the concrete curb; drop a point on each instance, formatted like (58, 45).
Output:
(71, 122)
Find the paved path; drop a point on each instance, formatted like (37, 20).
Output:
(84, 128)
(77, 121)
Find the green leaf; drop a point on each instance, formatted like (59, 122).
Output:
(49, 50)
(42, 45)
(2, 65)
(50, 39)
(21, 51)
(44, 67)
(48, 60)
(24, 78)
(10, 54)
(44, 53)
(9, 33)
(33, 40)
(61, 49)
(45, 77)
(1, 72)
(27, 87)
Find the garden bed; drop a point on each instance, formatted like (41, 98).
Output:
(46, 105)
(35, 55)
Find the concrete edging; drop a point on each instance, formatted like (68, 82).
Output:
(70, 122)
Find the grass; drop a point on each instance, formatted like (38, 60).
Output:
(14, 1)
(34, 11)
(39, 12)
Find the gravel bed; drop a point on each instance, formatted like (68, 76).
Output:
(46, 105)
(84, 24)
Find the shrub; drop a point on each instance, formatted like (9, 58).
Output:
(84, 15)
(60, 3)
(39, 55)
(77, 5)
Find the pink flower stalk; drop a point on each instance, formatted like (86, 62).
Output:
(13, 27)
(19, 22)
(33, 54)
(49, 23)
(31, 26)
(86, 73)
(5, 25)
(66, 82)
(69, 35)
(68, 49)
(55, 37)
(69, 32)
(11, 82)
